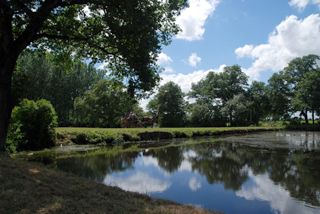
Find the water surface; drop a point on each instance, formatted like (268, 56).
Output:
(273, 172)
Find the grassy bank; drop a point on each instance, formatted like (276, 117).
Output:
(114, 136)
(31, 188)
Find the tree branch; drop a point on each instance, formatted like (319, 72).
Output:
(25, 9)
(73, 2)
(35, 24)
(77, 39)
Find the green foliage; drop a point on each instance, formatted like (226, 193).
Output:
(296, 88)
(127, 33)
(57, 78)
(169, 106)
(214, 95)
(308, 91)
(279, 94)
(32, 126)
(203, 114)
(238, 109)
(259, 101)
(103, 105)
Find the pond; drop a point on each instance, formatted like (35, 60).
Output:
(271, 172)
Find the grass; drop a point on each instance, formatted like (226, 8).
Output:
(28, 187)
(119, 135)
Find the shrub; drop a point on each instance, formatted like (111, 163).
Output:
(32, 126)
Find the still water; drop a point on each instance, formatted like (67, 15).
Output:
(272, 172)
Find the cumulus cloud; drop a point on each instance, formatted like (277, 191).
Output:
(183, 80)
(194, 60)
(164, 59)
(301, 4)
(292, 38)
(140, 182)
(244, 51)
(192, 19)
(168, 70)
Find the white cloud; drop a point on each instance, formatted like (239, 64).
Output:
(194, 184)
(265, 189)
(164, 59)
(183, 80)
(292, 38)
(194, 59)
(192, 19)
(168, 70)
(244, 51)
(140, 182)
(301, 4)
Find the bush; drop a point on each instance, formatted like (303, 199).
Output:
(32, 126)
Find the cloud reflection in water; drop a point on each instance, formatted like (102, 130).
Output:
(265, 189)
(140, 182)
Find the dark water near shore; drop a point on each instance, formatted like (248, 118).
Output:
(272, 172)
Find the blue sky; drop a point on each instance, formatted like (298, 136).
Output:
(261, 36)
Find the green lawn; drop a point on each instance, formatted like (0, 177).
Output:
(119, 135)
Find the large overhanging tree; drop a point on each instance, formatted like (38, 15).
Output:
(128, 34)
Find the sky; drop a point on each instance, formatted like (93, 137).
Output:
(261, 36)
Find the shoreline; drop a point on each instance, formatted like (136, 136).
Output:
(118, 136)
(28, 187)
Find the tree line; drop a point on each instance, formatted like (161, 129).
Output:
(84, 95)
(81, 94)
(227, 98)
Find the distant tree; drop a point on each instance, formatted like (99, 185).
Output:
(216, 89)
(220, 87)
(297, 71)
(152, 107)
(259, 101)
(308, 93)
(127, 33)
(234, 80)
(290, 90)
(57, 78)
(203, 114)
(169, 106)
(238, 109)
(103, 105)
(279, 94)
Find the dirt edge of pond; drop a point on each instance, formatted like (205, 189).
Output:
(28, 187)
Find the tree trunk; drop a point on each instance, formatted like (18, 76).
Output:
(6, 69)
(312, 117)
(305, 115)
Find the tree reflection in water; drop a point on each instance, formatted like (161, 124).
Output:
(229, 163)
